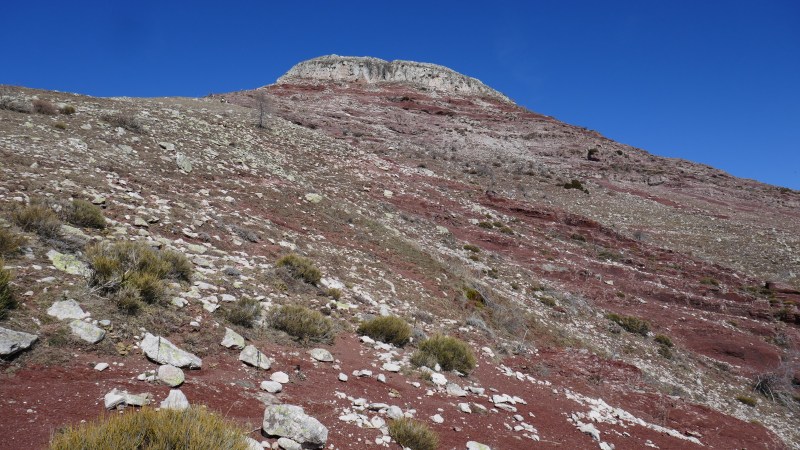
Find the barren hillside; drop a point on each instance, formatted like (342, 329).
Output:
(612, 298)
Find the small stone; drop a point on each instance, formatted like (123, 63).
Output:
(394, 412)
(437, 418)
(280, 377)
(232, 339)
(455, 390)
(438, 379)
(170, 375)
(391, 367)
(175, 400)
(66, 309)
(320, 354)
(288, 444)
(271, 386)
(342, 377)
(113, 399)
(252, 356)
(86, 331)
(101, 367)
(381, 378)
(472, 445)
(464, 407)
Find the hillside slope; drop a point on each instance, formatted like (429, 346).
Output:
(446, 207)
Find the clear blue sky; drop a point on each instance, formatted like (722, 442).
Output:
(716, 82)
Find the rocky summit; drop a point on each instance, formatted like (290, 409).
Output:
(372, 254)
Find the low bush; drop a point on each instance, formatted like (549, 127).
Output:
(7, 301)
(413, 434)
(123, 120)
(575, 184)
(334, 293)
(471, 248)
(44, 107)
(630, 324)
(300, 268)
(450, 353)
(664, 340)
(474, 297)
(302, 323)
(389, 329)
(244, 312)
(135, 272)
(67, 110)
(85, 214)
(10, 243)
(149, 429)
(38, 218)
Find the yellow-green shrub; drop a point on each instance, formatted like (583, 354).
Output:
(148, 429)
(300, 268)
(85, 214)
(244, 312)
(412, 434)
(450, 353)
(630, 324)
(302, 323)
(389, 329)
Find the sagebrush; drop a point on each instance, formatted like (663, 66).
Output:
(449, 352)
(302, 323)
(389, 329)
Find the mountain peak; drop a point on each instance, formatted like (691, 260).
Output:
(364, 69)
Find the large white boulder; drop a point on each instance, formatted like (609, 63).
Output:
(252, 356)
(15, 341)
(163, 351)
(292, 422)
(66, 309)
(87, 332)
(232, 339)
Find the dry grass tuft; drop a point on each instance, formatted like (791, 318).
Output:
(85, 214)
(412, 434)
(300, 268)
(390, 329)
(302, 323)
(38, 218)
(148, 429)
(44, 107)
(450, 353)
(244, 312)
(10, 242)
(7, 300)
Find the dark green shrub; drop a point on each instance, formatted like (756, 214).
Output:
(389, 329)
(450, 353)
(412, 434)
(578, 237)
(630, 324)
(472, 248)
(85, 214)
(300, 268)
(150, 429)
(575, 184)
(665, 352)
(244, 312)
(38, 218)
(7, 300)
(10, 242)
(302, 323)
(474, 297)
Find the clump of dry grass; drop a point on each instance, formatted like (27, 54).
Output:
(300, 268)
(413, 434)
(148, 429)
(244, 312)
(302, 323)
(134, 272)
(38, 218)
(449, 352)
(124, 120)
(44, 107)
(85, 214)
(10, 242)
(7, 301)
(389, 329)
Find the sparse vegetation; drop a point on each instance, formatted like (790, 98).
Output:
(449, 352)
(334, 293)
(244, 312)
(389, 329)
(60, 125)
(67, 110)
(44, 107)
(472, 248)
(300, 268)
(749, 401)
(474, 297)
(302, 323)
(7, 301)
(412, 434)
(135, 272)
(548, 301)
(124, 120)
(148, 429)
(10, 242)
(38, 218)
(630, 324)
(662, 339)
(85, 214)
(575, 184)
(708, 281)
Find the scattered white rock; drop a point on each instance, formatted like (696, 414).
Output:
(391, 367)
(163, 351)
(320, 354)
(288, 444)
(472, 445)
(12, 341)
(252, 356)
(343, 377)
(232, 339)
(66, 309)
(464, 407)
(455, 390)
(170, 375)
(175, 400)
(101, 367)
(437, 418)
(438, 379)
(86, 331)
(280, 377)
(292, 422)
(272, 387)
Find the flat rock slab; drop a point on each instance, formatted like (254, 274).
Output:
(252, 356)
(67, 309)
(163, 351)
(86, 331)
(272, 387)
(232, 339)
(170, 375)
(320, 354)
(472, 445)
(12, 341)
(292, 422)
(68, 263)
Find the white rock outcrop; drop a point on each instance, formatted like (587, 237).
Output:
(374, 70)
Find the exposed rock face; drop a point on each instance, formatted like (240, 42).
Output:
(374, 70)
